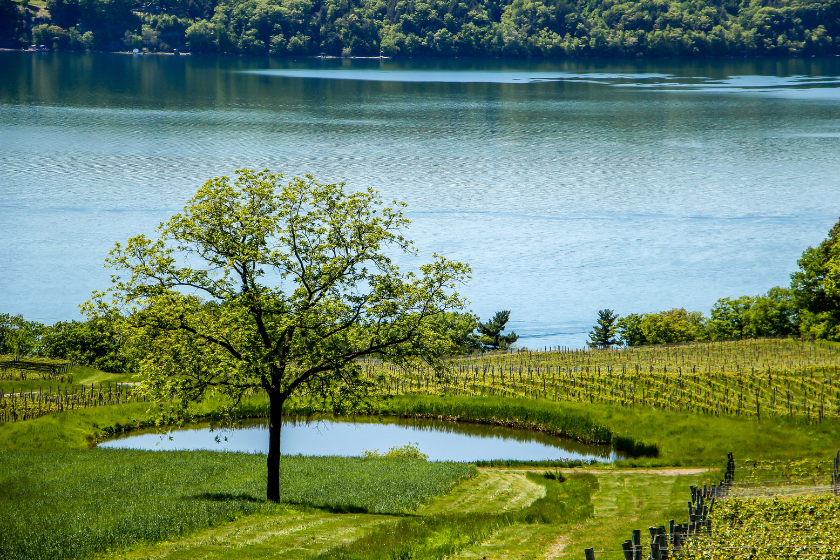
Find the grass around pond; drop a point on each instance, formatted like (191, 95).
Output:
(67, 501)
(71, 504)
(681, 439)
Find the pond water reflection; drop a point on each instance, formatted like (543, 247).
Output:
(441, 441)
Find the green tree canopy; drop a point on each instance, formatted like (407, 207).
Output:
(280, 288)
(491, 337)
(95, 342)
(816, 288)
(772, 314)
(604, 333)
(630, 330)
(665, 327)
(19, 336)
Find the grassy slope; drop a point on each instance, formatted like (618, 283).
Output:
(683, 438)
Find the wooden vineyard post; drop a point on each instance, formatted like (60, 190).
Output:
(589, 553)
(637, 544)
(835, 477)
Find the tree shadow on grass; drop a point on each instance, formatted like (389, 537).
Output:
(228, 497)
(302, 506)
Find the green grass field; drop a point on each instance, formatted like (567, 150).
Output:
(70, 504)
(60, 499)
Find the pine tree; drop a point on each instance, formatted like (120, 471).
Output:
(603, 335)
(491, 332)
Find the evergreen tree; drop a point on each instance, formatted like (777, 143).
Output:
(603, 335)
(491, 332)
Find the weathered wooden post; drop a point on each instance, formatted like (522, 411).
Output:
(627, 548)
(637, 544)
(589, 553)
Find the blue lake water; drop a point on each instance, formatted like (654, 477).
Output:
(441, 441)
(569, 187)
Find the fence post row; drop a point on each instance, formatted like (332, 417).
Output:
(699, 522)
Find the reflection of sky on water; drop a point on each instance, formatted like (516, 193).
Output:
(326, 437)
(450, 77)
(794, 87)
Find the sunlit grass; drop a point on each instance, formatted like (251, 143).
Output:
(71, 504)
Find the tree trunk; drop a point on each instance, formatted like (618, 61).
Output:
(275, 422)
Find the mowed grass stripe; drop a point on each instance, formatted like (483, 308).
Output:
(491, 491)
(627, 501)
(293, 535)
(624, 501)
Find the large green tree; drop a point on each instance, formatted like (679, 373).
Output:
(281, 288)
(816, 288)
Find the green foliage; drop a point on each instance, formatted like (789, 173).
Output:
(676, 325)
(630, 330)
(291, 285)
(18, 336)
(603, 334)
(773, 314)
(12, 25)
(816, 288)
(407, 451)
(95, 342)
(71, 504)
(805, 526)
(491, 337)
(665, 327)
(517, 28)
(459, 329)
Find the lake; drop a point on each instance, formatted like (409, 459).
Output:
(441, 441)
(569, 186)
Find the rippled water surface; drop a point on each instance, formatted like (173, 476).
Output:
(568, 187)
(441, 441)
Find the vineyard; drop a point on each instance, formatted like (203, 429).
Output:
(36, 387)
(781, 510)
(749, 378)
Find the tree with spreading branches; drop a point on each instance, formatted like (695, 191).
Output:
(278, 288)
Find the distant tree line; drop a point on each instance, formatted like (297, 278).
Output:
(809, 308)
(93, 342)
(517, 28)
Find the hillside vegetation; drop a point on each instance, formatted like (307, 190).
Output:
(517, 28)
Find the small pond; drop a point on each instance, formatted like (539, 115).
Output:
(441, 441)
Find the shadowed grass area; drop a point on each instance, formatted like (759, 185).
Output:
(71, 504)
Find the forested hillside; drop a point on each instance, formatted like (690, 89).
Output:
(509, 28)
